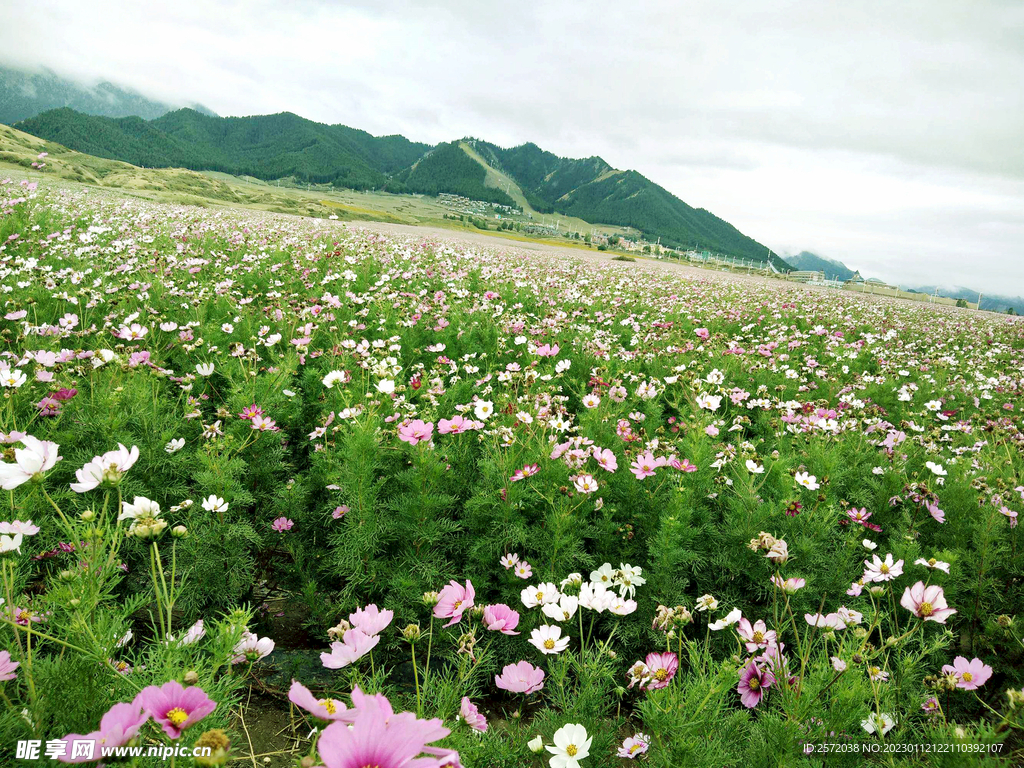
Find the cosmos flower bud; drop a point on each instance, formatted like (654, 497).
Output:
(430, 599)
(337, 632)
(179, 531)
(191, 677)
(88, 516)
(536, 744)
(412, 632)
(220, 748)
(67, 575)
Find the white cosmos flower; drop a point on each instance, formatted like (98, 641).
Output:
(548, 639)
(484, 409)
(333, 378)
(32, 461)
(12, 378)
(11, 543)
(880, 722)
(205, 369)
(215, 504)
(141, 507)
(572, 744)
(936, 469)
(175, 445)
(754, 467)
(810, 482)
(563, 610)
(542, 594)
(386, 386)
(709, 402)
(730, 618)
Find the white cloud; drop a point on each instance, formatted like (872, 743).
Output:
(883, 134)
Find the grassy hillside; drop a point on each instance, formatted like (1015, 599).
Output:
(264, 147)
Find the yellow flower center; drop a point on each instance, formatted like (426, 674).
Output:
(966, 677)
(883, 568)
(457, 604)
(758, 637)
(177, 716)
(328, 704)
(540, 596)
(754, 683)
(660, 675)
(549, 644)
(634, 748)
(571, 750)
(932, 561)
(926, 609)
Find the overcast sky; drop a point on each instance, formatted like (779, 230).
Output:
(888, 135)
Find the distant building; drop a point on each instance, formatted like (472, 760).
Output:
(807, 276)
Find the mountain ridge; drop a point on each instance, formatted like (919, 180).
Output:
(286, 145)
(25, 93)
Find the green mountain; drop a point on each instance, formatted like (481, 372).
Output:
(25, 94)
(285, 145)
(811, 262)
(265, 146)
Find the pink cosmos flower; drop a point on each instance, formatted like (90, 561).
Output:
(252, 648)
(454, 600)
(456, 425)
(510, 560)
(634, 746)
(547, 350)
(520, 678)
(754, 682)
(378, 737)
(605, 459)
(501, 618)
(935, 512)
(106, 469)
(417, 431)
(25, 528)
(969, 674)
(117, 727)
(7, 667)
(523, 570)
(339, 512)
(756, 635)
(661, 668)
(175, 707)
(282, 524)
(789, 586)
(371, 620)
(472, 716)
(702, 333)
(644, 465)
(682, 466)
(860, 516)
(355, 644)
(324, 709)
(928, 603)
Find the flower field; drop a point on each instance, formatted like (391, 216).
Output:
(441, 504)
